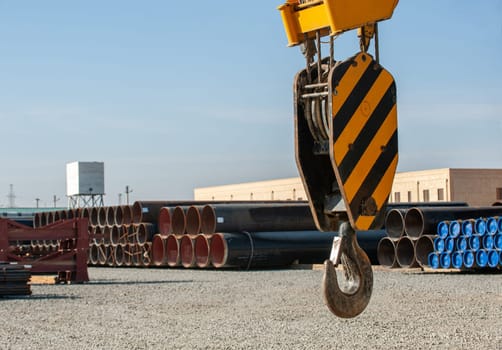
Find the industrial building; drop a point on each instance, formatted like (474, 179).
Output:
(478, 187)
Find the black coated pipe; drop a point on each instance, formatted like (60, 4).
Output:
(256, 217)
(148, 211)
(419, 221)
(405, 252)
(386, 252)
(394, 222)
(280, 248)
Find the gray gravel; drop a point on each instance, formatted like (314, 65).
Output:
(279, 309)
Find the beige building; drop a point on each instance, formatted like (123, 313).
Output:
(478, 187)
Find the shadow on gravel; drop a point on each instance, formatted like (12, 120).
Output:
(39, 297)
(112, 282)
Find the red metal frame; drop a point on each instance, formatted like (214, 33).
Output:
(69, 261)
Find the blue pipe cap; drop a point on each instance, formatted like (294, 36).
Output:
(455, 229)
(467, 229)
(488, 241)
(433, 260)
(443, 229)
(449, 244)
(480, 226)
(497, 242)
(493, 258)
(461, 244)
(457, 260)
(439, 244)
(468, 259)
(492, 225)
(499, 224)
(474, 243)
(445, 260)
(481, 258)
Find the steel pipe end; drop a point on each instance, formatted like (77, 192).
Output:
(93, 216)
(178, 221)
(158, 250)
(414, 222)
(137, 213)
(119, 255)
(93, 254)
(394, 223)
(208, 220)
(423, 247)
(173, 250)
(405, 252)
(115, 234)
(164, 221)
(187, 253)
(193, 220)
(218, 251)
(386, 252)
(102, 216)
(110, 216)
(202, 244)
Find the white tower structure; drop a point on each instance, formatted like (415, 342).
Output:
(85, 184)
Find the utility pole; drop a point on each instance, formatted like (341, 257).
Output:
(55, 199)
(120, 198)
(37, 200)
(11, 196)
(127, 191)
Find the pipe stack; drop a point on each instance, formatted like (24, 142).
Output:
(14, 279)
(442, 237)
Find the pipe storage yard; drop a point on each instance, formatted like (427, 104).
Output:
(247, 275)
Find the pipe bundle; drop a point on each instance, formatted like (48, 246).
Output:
(468, 244)
(442, 237)
(14, 279)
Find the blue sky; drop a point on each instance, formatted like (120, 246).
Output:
(177, 95)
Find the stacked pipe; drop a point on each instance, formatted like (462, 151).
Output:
(468, 244)
(14, 279)
(412, 233)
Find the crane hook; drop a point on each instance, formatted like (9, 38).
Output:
(350, 300)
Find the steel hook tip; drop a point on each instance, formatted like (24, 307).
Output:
(352, 297)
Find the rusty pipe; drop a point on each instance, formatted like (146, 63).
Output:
(93, 254)
(173, 250)
(187, 251)
(123, 215)
(102, 216)
(202, 250)
(115, 234)
(93, 216)
(164, 221)
(193, 220)
(159, 257)
(110, 215)
(394, 222)
(119, 253)
(144, 232)
(178, 221)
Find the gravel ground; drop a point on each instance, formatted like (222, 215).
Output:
(275, 309)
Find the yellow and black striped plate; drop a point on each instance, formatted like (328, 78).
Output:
(363, 137)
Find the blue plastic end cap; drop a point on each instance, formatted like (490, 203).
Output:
(457, 260)
(439, 244)
(481, 258)
(445, 260)
(433, 260)
(493, 258)
(499, 223)
(443, 229)
(467, 228)
(474, 242)
(455, 228)
(492, 225)
(468, 259)
(497, 242)
(461, 244)
(480, 226)
(488, 241)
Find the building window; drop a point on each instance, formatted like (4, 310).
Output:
(426, 195)
(409, 196)
(231, 197)
(251, 196)
(440, 194)
(294, 194)
(499, 193)
(397, 197)
(272, 195)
